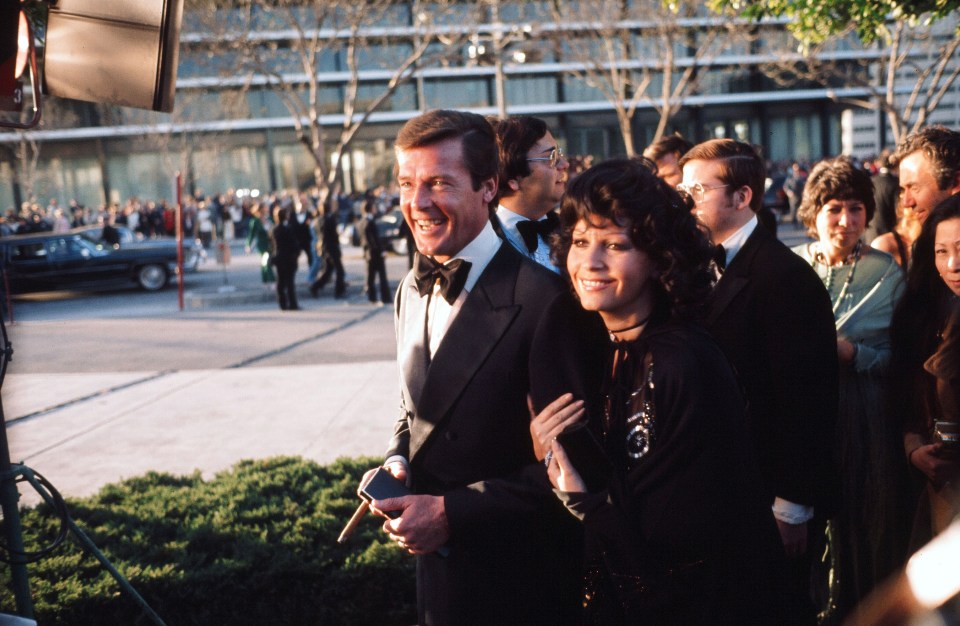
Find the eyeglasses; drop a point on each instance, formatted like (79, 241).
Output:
(697, 190)
(556, 154)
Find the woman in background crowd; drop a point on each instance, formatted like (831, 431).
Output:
(899, 242)
(925, 352)
(864, 285)
(258, 239)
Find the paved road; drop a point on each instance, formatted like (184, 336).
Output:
(108, 386)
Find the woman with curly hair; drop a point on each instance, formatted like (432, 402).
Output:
(679, 531)
(864, 285)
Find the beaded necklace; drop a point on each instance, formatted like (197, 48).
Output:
(852, 260)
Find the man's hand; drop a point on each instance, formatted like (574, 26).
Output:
(399, 471)
(422, 526)
(794, 538)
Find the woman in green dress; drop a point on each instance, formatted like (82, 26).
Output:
(864, 285)
(258, 238)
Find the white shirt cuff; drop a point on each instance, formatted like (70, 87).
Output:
(791, 512)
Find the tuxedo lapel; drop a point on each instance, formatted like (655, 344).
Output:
(483, 320)
(737, 275)
(412, 352)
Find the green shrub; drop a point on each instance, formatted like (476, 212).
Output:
(255, 545)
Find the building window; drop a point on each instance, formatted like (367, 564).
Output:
(447, 94)
(531, 89)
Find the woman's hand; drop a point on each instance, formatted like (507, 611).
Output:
(846, 351)
(552, 420)
(561, 472)
(929, 460)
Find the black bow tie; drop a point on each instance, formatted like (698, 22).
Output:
(720, 258)
(452, 276)
(530, 230)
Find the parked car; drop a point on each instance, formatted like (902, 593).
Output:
(193, 252)
(774, 197)
(393, 231)
(50, 261)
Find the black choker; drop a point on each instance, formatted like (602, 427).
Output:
(613, 333)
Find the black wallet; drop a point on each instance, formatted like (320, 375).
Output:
(587, 456)
(383, 485)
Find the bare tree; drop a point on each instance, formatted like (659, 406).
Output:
(643, 52)
(300, 49)
(26, 154)
(904, 76)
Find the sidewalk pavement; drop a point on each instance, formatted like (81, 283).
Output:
(189, 420)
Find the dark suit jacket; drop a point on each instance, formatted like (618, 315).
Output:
(773, 318)
(514, 555)
(688, 522)
(284, 247)
(370, 239)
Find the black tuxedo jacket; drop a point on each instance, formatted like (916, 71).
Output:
(514, 553)
(772, 317)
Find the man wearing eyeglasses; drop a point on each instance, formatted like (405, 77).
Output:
(772, 317)
(533, 177)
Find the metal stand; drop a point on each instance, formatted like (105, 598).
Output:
(12, 530)
(10, 475)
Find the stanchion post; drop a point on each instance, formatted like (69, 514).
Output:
(9, 502)
(179, 232)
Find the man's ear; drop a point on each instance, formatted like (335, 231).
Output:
(955, 187)
(742, 197)
(489, 189)
(514, 184)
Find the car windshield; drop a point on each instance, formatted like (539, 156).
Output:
(73, 246)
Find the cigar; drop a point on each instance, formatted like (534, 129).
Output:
(354, 522)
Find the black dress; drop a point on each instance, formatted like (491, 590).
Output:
(684, 534)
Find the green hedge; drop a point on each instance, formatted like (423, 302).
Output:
(255, 545)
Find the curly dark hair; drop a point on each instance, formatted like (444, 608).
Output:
(628, 193)
(835, 179)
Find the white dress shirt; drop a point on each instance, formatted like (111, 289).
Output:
(441, 314)
(509, 220)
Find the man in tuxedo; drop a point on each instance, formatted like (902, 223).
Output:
(772, 317)
(473, 339)
(533, 177)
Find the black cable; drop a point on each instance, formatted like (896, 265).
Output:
(60, 507)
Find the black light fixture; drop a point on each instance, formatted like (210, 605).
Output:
(120, 52)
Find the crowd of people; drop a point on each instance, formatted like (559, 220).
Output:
(743, 433)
